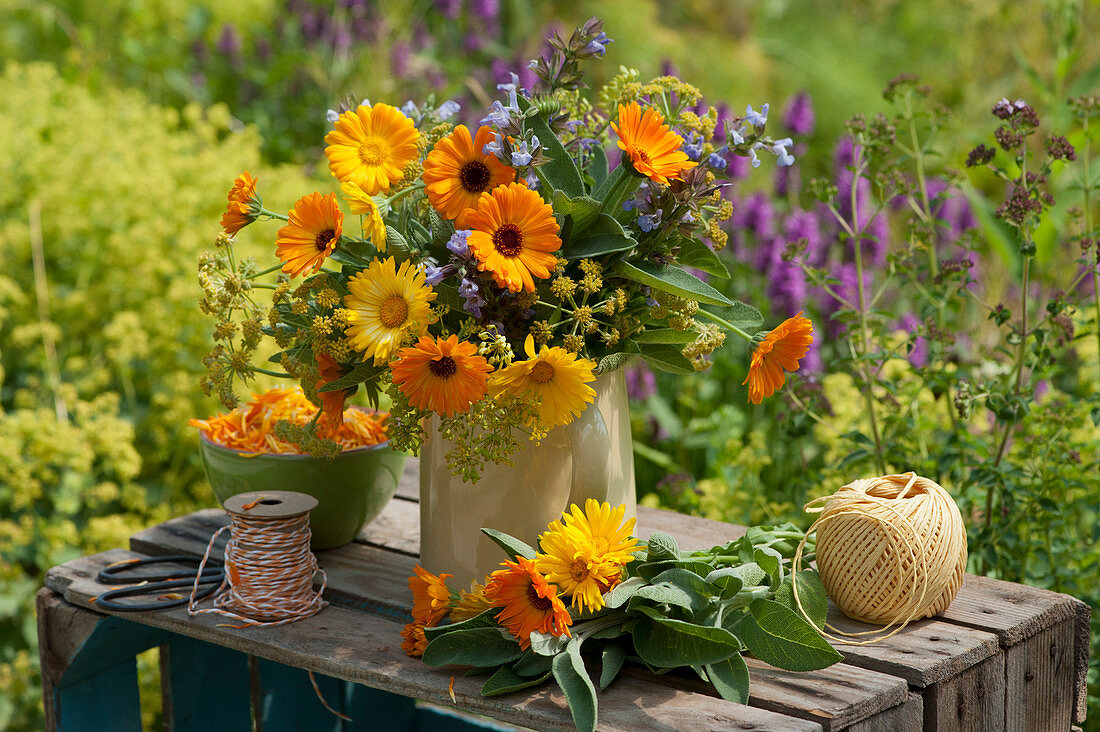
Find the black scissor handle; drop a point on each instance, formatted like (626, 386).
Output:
(118, 573)
(107, 599)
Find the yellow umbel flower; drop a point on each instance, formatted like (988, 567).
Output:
(371, 146)
(362, 204)
(558, 377)
(653, 148)
(383, 305)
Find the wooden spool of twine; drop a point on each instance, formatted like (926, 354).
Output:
(269, 568)
(890, 550)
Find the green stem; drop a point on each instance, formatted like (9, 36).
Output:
(724, 323)
(272, 214)
(269, 270)
(404, 192)
(279, 374)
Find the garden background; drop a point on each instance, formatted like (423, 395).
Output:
(123, 123)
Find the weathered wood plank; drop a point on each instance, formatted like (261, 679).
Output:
(907, 717)
(1039, 681)
(972, 701)
(364, 648)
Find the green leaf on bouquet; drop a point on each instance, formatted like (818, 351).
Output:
(667, 358)
(395, 240)
(628, 349)
(730, 678)
(546, 644)
(614, 654)
(727, 584)
(667, 643)
(751, 575)
(695, 253)
(598, 168)
(605, 236)
(811, 594)
(660, 547)
(620, 593)
(512, 546)
(649, 570)
(665, 594)
(486, 619)
(505, 680)
(532, 664)
(770, 561)
(579, 692)
(582, 209)
(362, 372)
(688, 582)
(665, 335)
(668, 278)
(476, 647)
(559, 171)
(778, 636)
(737, 313)
(442, 229)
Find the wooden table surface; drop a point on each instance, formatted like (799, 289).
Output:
(1003, 656)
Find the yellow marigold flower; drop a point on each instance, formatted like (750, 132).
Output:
(243, 204)
(431, 598)
(780, 350)
(361, 204)
(514, 236)
(530, 602)
(311, 234)
(573, 563)
(383, 304)
(414, 643)
(371, 146)
(603, 528)
(558, 377)
(653, 148)
(444, 375)
(470, 604)
(457, 172)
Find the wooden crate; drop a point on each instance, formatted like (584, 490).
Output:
(1003, 656)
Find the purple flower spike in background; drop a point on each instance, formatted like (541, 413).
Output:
(641, 382)
(798, 117)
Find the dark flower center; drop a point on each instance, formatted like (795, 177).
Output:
(443, 367)
(324, 238)
(542, 372)
(474, 176)
(541, 604)
(508, 240)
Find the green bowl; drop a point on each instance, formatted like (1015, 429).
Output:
(351, 489)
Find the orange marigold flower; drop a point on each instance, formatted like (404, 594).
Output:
(780, 350)
(444, 375)
(415, 642)
(431, 598)
(311, 235)
(370, 147)
(529, 602)
(457, 172)
(243, 204)
(653, 148)
(332, 402)
(470, 604)
(514, 235)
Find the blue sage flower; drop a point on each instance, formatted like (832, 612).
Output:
(757, 119)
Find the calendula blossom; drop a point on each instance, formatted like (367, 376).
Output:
(780, 351)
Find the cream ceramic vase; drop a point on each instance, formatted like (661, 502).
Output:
(592, 457)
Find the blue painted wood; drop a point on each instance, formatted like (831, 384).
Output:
(205, 687)
(113, 641)
(289, 704)
(374, 709)
(105, 700)
(439, 719)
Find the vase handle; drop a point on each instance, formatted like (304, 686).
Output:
(590, 445)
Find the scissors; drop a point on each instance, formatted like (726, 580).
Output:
(146, 583)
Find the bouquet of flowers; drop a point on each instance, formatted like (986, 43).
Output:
(496, 272)
(654, 605)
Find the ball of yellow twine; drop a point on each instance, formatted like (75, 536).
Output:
(890, 550)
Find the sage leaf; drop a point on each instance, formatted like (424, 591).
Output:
(598, 168)
(605, 236)
(559, 170)
(667, 643)
(811, 593)
(546, 644)
(667, 358)
(611, 662)
(730, 678)
(665, 335)
(778, 636)
(505, 680)
(510, 544)
(672, 279)
(486, 619)
(579, 692)
(695, 253)
(660, 547)
(737, 313)
(532, 664)
(476, 647)
(649, 570)
(356, 376)
(620, 593)
(664, 594)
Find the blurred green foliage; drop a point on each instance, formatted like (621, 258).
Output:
(120, 145)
